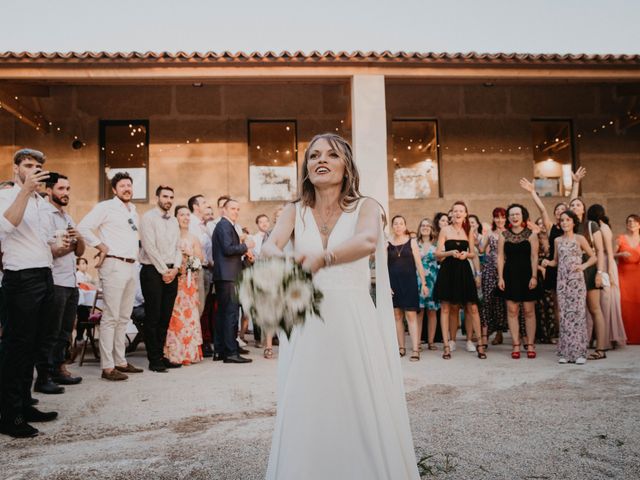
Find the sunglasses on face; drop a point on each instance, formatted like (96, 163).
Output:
(132, 225)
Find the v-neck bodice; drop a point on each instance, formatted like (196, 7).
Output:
(307, 240)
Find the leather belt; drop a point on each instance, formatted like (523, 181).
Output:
(122, 259)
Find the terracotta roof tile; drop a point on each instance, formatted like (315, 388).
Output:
(316, 57)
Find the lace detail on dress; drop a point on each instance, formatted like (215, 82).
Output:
(511, 237)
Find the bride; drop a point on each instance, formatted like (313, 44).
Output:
(341, 408)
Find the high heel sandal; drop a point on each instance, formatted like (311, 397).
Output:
(403, 351)
(415, 356)
(268, 353)
(530, 353)
(481, 355)
(447, 352)
(516, 354)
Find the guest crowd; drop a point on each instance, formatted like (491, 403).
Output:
(172, 271)
(559, 279)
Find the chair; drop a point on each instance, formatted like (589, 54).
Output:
(90, 325)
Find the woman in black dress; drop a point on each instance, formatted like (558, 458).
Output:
(455, 284)
(403, 257)
(518, 275)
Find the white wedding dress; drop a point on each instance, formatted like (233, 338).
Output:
(342, 411)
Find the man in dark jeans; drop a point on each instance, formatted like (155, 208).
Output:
(28, 285)
(227, 264)
(50, 358)
(160, 257)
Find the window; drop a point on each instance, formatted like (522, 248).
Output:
(273, 169)
(415, 159)
(552, 157)
(124, 147)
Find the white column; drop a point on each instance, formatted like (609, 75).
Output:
(369, 135)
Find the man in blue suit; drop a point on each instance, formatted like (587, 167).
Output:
(227, 264)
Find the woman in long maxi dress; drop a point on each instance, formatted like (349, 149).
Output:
(184, 335)
(341, 408)
(572, 289)
(493, 313)
(628, 253)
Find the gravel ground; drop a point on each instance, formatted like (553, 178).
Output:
(493, 419)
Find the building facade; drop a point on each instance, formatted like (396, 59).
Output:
(427, 129)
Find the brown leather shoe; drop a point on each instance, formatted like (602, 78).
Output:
(129, 369)
(114, 375)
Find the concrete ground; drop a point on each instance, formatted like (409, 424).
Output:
(492, 419)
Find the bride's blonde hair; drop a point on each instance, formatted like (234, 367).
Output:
(350, 189)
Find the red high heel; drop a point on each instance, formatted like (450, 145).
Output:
(516, 354)
(530, 353)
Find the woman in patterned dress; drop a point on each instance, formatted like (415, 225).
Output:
(184, 335)
(430, 265)
(493, 315)
(572, 289)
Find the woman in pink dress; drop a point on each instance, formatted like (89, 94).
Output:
(184, 336)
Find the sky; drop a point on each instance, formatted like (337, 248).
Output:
(542, 26)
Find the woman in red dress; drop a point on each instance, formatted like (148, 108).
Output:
(628, 254)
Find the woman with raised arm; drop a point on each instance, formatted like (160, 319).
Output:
(493, 313)
(455, 284)
(628, 254)
(569, 258)
(610, 293)
(553, 229)
(426, 237)
(593, 277)
(341, 407)
(404, 263)
(518, 276)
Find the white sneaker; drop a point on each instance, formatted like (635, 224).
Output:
(452, 345)
(563, 360)
(470, 346)
(581, 361)
(240, 342)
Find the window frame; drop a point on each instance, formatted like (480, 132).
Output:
(102, 127)
(574, 146)
(295, 152)
(438, 153)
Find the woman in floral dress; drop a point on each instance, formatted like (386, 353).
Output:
(184, 335)
(572, 289)
(430, 265)
(493, 314)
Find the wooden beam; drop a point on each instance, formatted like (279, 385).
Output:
(11, 104)
(25, 89)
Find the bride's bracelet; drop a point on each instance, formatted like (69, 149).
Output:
(329, 258)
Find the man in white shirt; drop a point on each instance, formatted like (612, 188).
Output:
(160, 257)
(51, 356)
(116, 224)
(28, 287)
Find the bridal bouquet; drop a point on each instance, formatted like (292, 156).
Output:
(278, 293)
(193, 264)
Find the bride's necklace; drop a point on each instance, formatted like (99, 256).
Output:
(325, 221)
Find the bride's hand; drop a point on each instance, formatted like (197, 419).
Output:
(312, 263)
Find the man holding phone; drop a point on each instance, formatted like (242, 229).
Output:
(65, 244)
(28, 285)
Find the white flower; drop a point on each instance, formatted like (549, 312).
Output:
(298, 295)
